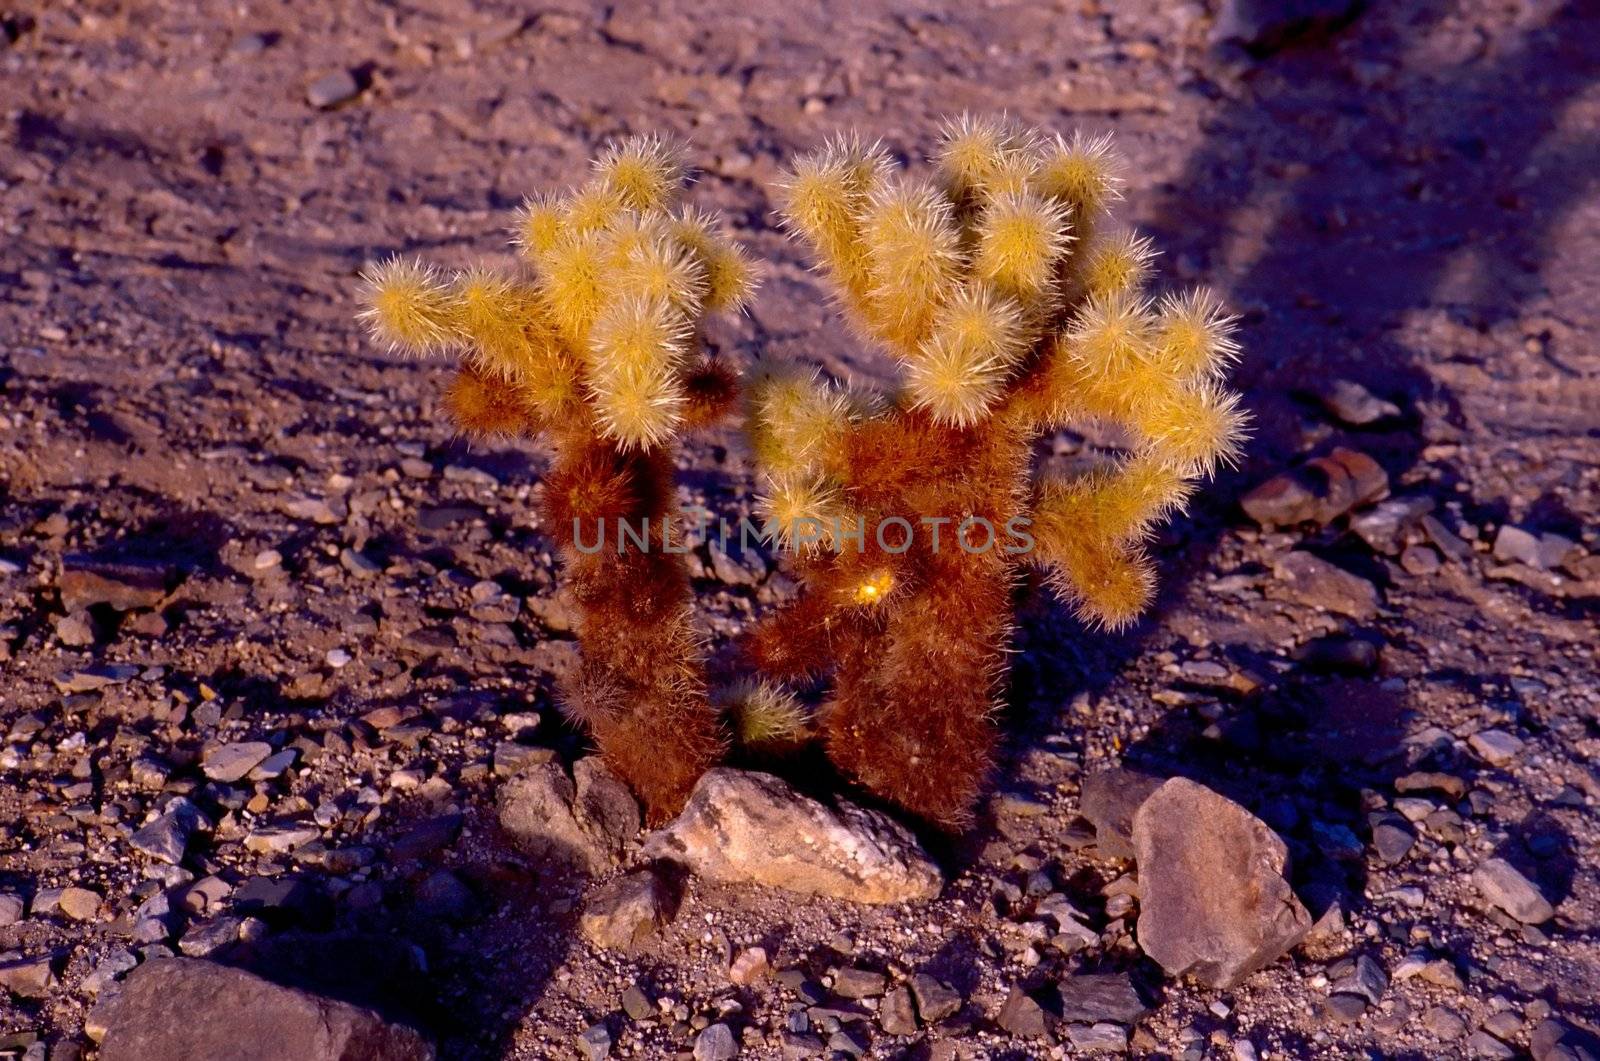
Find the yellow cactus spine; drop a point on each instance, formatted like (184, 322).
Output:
(408, 307)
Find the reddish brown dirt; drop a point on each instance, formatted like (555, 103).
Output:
(1407, 201)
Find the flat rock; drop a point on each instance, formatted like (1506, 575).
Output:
(584, 821)
(123, 586)
(12, 909)
(623, 913)
(1021, 1015)
(99, 676)
(165, 838)
(742, 827)
(858, 983)
(1108, 799)
(1505, 886)
(231, 762)
(1091, 998)
(29, 977)
(1513, 545)
(1385, 525)
(1496, 746)
(80, 904)
(1312, 581)
(332, 89)
(280, 839)
(897, 1016)
(936, 1000)
(187, 1008)
(1347, 400)
(716, 1043)
(1319, 491)
(1215, 902)
(1101, 1038)
(595, 1042)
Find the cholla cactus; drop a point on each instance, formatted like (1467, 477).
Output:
(595, 344)
(1013, 307)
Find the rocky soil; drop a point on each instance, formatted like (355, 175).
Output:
(277, 650)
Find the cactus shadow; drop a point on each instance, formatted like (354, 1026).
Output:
(1357, 237)
(468, 976)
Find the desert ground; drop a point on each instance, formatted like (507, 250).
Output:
(228, 518)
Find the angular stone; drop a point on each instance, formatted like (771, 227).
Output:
(936, 1000)
(1108, 799)
(584, 821)
(749, 966)
(1392, 841)
(1515, 545)
(1367, 979)
(1319, 492)
(125, 586)
(280, 839)
(1353, 404)
(332, 89)
(1496, 746)
(744, 827)
(97, 677)
(797, 1046)
(896, 1015)
(1345, 1009)
(716, 1043)
(1215, 902)
(1102, 1038)
(1023, 1016)
(1505, 887)
(1312, 581)
(231, 762)
(1483, 1045)
(29, 977)
(80, 904)
(108, 970)
(1384, 526)
(164, 838)
(1444, 1023)
(622, 913)
(858, 983)
(12, 909)
(208, 937)
(595, 1043)
(187, 1008)
(636, 1004)
(1091, 998)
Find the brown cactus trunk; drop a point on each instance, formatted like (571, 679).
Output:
(640, 685)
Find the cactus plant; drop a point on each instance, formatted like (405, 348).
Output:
(594, 344)
(1013, 306)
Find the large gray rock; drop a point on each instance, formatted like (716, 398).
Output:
(1214, 903)
(585, 821)
(751, 828)
(182, 1009)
